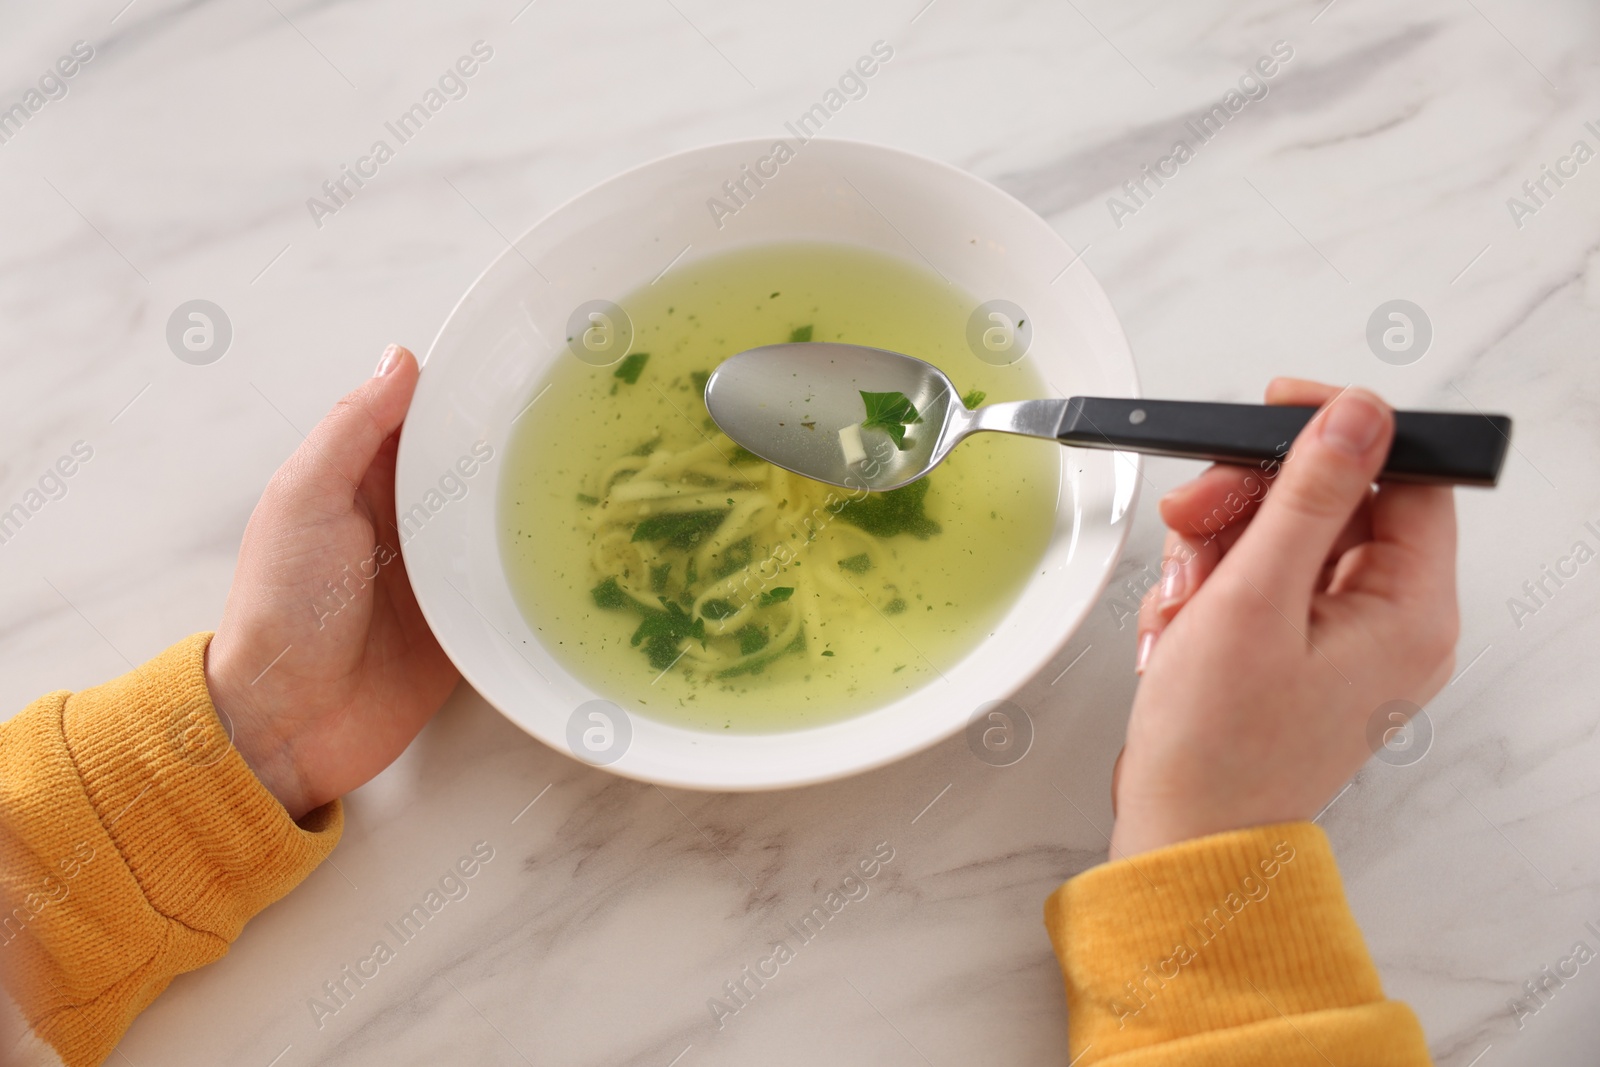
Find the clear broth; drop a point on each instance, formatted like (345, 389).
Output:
(872, 614)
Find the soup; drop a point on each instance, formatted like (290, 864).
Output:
(689, 581)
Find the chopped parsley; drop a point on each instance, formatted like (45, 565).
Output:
(735, 557)
(973, 399)
(895, 512)
(631, 367)
(799, 334)
(608, 594)
(661, 631)
(658, 577)
(857, 564)
(759, 663)
(776, 596)
(752, 639)
(681, 530)
(890, 412)
(717, 609)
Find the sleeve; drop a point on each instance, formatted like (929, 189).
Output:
(135, 843)
(1237, 948)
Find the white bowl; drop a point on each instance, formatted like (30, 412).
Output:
(508, 330)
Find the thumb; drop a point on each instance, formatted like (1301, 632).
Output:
(338, 451)
(1328, 474)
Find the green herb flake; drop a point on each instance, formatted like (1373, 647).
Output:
(742, 455)
(699, 378)
(631, 367)
(735, 557)
(718, 609)
(752, 639)
(890, 412)
(661, 651)
(759, 663)
(828, 652)
(857, 564)
(608, 594)
(973, 399)
(658, 577)
(800, 334)
(682, 530)
(894, 607)
(896, 512)
(776, 596)
(585, 498)
(661, 631)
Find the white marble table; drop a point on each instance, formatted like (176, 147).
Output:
(1378, 166)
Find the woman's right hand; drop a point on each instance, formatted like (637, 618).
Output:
(1286, 617)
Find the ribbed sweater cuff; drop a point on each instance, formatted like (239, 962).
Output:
(207, 843)
(1208, 934)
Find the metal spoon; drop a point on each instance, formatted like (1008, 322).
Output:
(800, 406)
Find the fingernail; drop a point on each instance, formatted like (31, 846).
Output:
(1147, 641)
(1178, 491)
(1352, 423)
(391, 359)
(1174, 581)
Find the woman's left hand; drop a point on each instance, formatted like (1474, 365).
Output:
(323, 661)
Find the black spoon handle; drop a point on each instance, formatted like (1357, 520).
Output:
(1429, 446)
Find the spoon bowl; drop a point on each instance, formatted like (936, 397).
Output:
(790, 404)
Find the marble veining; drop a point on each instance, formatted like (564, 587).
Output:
(1379, 165)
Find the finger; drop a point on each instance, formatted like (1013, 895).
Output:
(377, 491)
(1151, 620)
(1422, 520)
(1184, 568)
(1221, 497)
(1417, 522)
(1225, 494)
(335, 456)
(1116, 776)
(1326, 477)
(1357, 531)
(1213, 527)
(1299, 392)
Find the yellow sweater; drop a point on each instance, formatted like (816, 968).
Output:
(135, 843)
